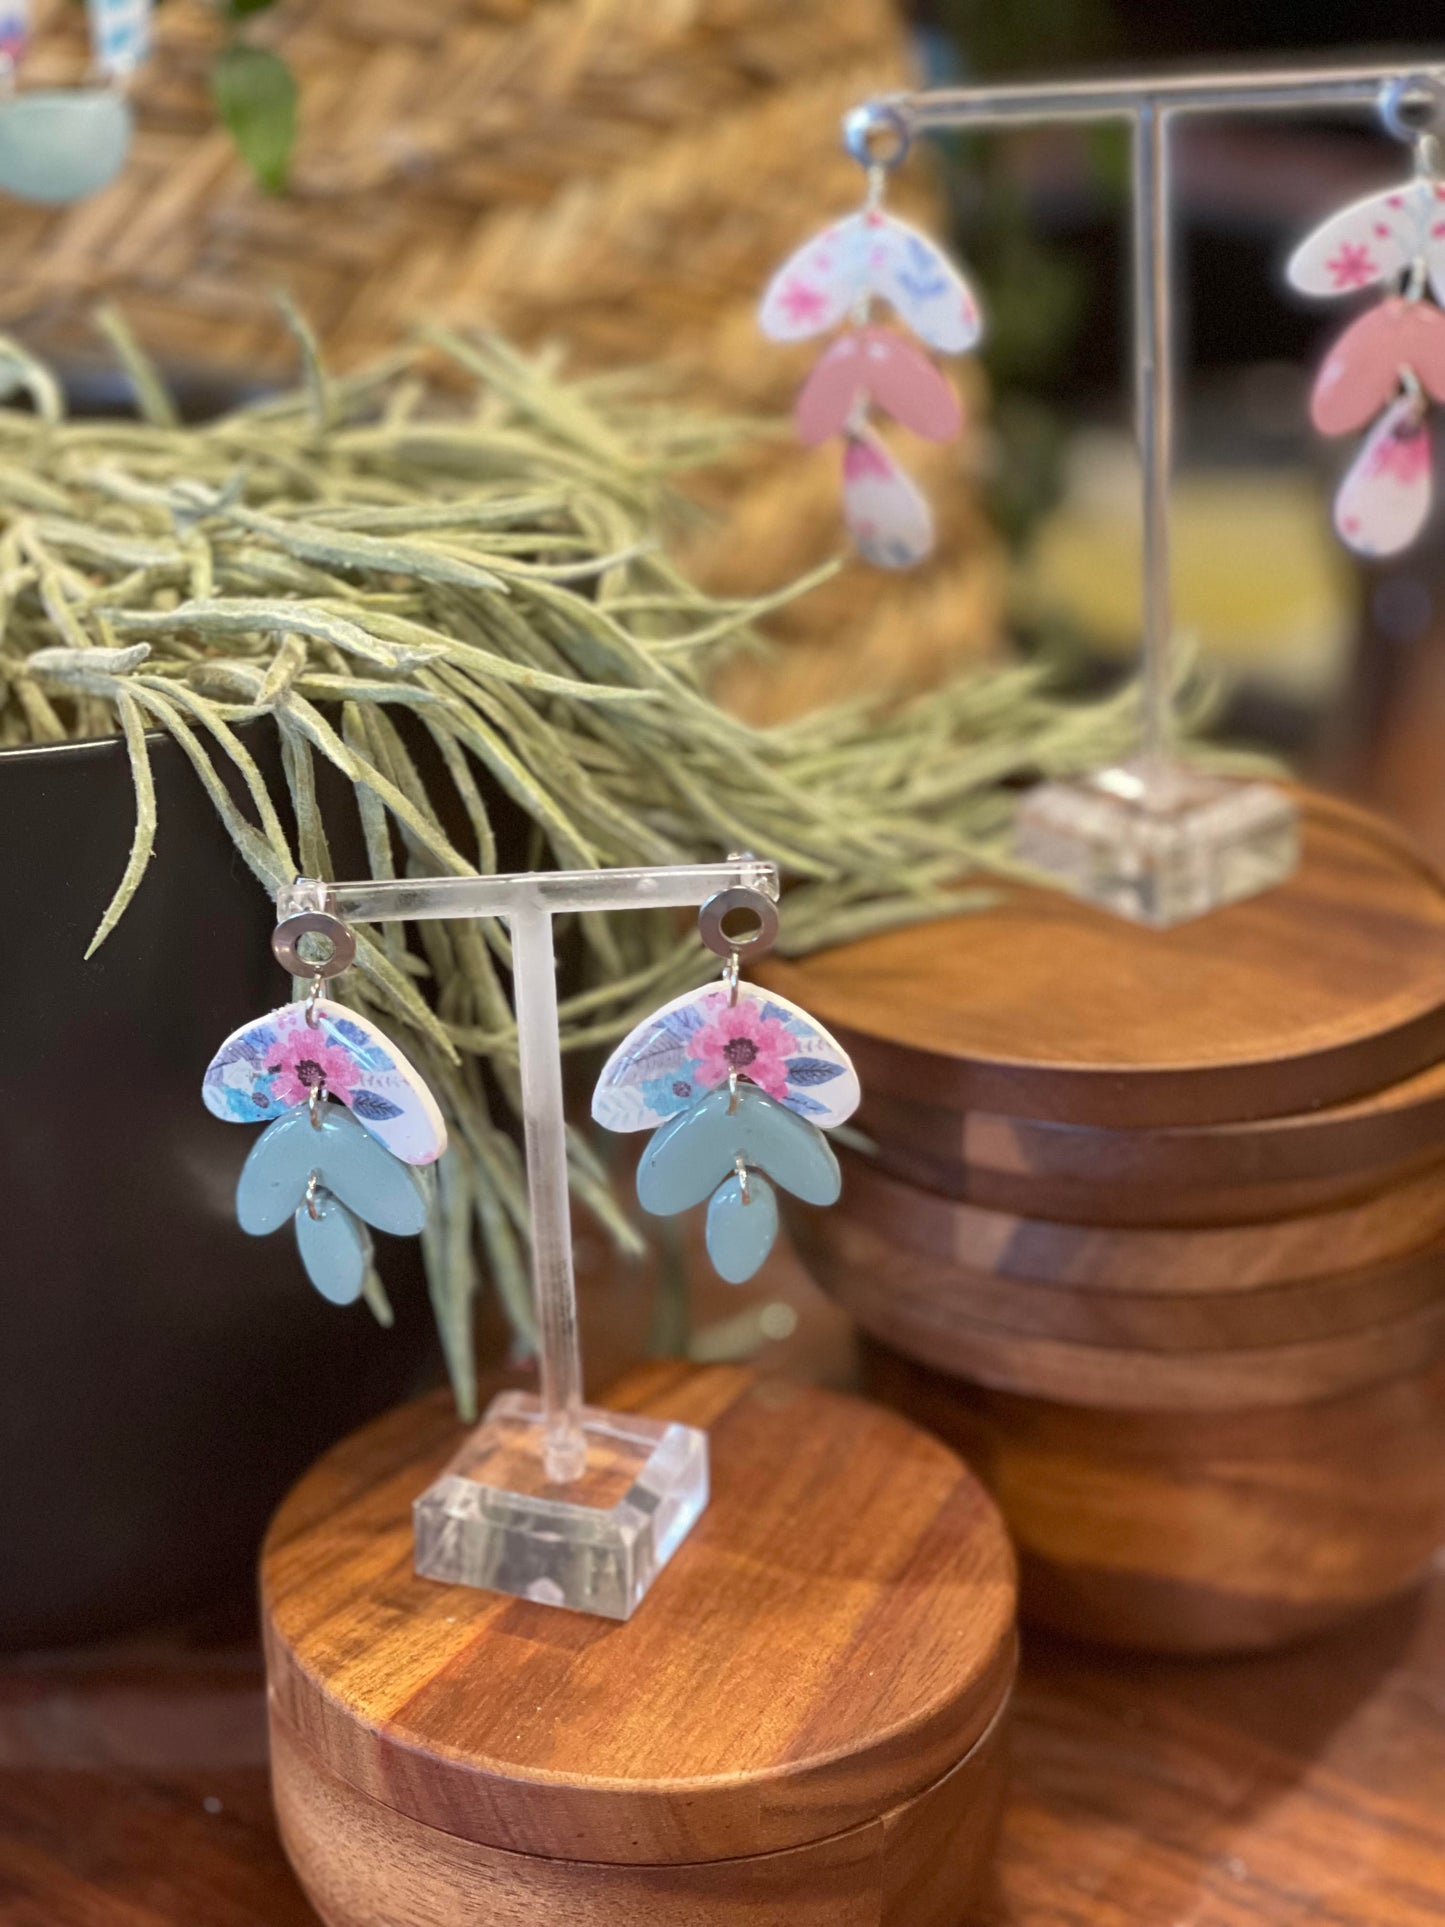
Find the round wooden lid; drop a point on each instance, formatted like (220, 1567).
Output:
(1194, 1261)
(1271, 1167)
(1329, 986)
(834, 1636)
(912, 1309)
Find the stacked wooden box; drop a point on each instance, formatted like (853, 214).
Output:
(1152, 1226)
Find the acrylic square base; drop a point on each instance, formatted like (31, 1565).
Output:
(494, 1520)
(1159, 845)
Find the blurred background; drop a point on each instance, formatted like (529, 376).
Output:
(621, 180)
(1329, 661)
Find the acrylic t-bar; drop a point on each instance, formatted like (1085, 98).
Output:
(1149, 104)
(528, 903)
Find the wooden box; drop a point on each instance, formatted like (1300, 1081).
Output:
(1151, 1226)
(803, 1724)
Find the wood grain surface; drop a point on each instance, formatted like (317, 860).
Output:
(363, 1864)
(847, 1254)
(1215, 1174)
(1406, 1218)
(1301, 1789)
(1213, 1533)
(1329, 987)
(835, 1638)
(1116, 1379)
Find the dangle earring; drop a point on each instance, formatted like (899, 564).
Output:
(737, 1082)
(1388, 361)
(836, 277)
(61, 144)
(348, 1119)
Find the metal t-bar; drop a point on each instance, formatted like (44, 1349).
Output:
(528, 903)
(1149, 103)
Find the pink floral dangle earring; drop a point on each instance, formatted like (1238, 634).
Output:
(349, 1122)
(1390, 362)
(736, 1085)
(836, 278)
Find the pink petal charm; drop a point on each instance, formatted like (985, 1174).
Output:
(889, 520)
(1372, 240)
(872, 364)
(1385, 498)
(1362, 370)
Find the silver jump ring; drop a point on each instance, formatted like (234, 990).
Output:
(725, 903)
(877, 135)
(313, 1185)
(1401, 113)
(314, 1101)
(313, 923)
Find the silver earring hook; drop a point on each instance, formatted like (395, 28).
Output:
(878, 137)
(734, 900)
(1412, 107)
(286, 941)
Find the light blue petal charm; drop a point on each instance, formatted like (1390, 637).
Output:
(61, 144)
(351, 1164)
(740, 1235)
(690, 1155)
(335, 1249)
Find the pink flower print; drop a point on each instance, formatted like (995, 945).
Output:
(306, 1062)
(1351, 266)
(802, 303)
(1404, 455)
(740, 1038)
(863, 456)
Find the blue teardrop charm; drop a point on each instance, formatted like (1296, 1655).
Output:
(741, 1234)
(335, 1249)
(60, 144)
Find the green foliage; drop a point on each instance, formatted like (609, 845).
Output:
(362, 567)
(255, 93)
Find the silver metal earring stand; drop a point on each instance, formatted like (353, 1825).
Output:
(551, 1499)
(1153, 839)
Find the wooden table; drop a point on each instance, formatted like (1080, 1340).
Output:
(1280, 1792)
(1308, 1789)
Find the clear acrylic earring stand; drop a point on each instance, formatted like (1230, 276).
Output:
(1151, 838)
(551, 1499)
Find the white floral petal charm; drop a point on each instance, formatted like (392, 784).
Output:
(1372, 240)
(818, 286)
(890, 522)
(274, 1063)
(1385, 498)
(924, 286)
(690, 1046)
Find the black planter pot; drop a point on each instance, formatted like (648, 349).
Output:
(163, 1377)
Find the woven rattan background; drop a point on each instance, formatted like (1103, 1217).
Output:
(618, 175)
